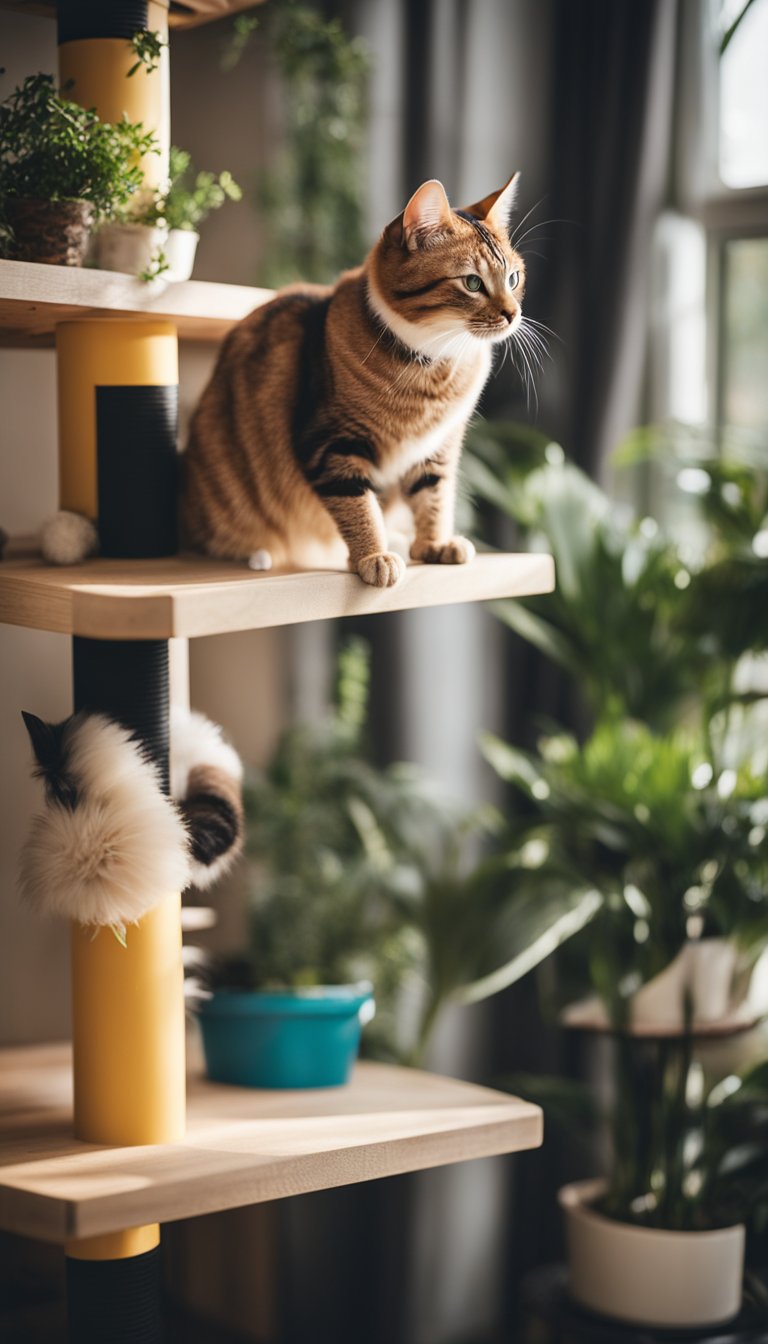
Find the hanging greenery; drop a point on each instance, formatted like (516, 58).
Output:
(313, 196)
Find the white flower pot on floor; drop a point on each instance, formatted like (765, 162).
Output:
(180, 248)
(129, 248)
(647, 1275)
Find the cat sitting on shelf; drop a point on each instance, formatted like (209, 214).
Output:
(328, 407)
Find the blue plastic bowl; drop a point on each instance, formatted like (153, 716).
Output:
(284, 1038)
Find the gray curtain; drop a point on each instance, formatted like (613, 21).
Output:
(579, 96)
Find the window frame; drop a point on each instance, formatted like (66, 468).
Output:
(726, 214)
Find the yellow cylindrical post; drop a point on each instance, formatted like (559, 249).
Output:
(94, 73)
(128, 1004)
(128, 1030)
(106, 354)
(116, 1245)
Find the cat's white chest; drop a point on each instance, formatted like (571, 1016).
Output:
(419, 448)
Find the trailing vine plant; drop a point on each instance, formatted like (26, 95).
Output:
(148, 49)
(313, 195)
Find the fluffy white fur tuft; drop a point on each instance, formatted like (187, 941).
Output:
(204, 875)
(197, 741)
(68, 538)
(123, 847)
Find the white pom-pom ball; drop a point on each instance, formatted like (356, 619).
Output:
(67, 538)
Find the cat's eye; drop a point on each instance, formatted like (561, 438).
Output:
(473, 283)
(514, 279)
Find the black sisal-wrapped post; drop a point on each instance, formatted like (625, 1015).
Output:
(116, 1301)
(126, 679)
(128, 1024)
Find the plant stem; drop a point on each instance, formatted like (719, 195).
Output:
(415, 1059)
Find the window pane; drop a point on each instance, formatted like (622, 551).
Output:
(745, 335)
(744, 98)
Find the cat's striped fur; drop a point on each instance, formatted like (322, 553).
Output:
(329, 405)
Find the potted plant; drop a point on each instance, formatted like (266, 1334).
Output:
(189, 199)
(288, 1013)
(62, 169)
(366, 875)
(661, 812)
(161, 239)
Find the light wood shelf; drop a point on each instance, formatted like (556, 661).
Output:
(242, 1146)
(590, 1015)
(191, 595)
(35, 298)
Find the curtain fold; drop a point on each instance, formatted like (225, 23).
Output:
(577, 95)
(612, 87)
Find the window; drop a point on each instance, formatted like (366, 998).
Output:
(743, 94)
(709, 338)
(710, 359)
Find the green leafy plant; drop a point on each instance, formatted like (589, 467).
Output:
(646, 626)
(361, 872)
(670, 844)
(662, 811)
(313, 198)
(188, 197)
(691, 1156)
(243, 28)
(148, 49)
(158, 265)
(54, 150)
(191, 196)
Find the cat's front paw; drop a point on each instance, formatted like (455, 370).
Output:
(383, 569)
(456, 551)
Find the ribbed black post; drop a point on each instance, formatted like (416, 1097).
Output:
(127, 680)
(116, 1301)
(137, 470)
(120, 1301)
(78, 19)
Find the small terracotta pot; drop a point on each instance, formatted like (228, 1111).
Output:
(54, 233)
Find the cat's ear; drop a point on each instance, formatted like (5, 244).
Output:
(426, 214)
(45, 741)
(497, 208)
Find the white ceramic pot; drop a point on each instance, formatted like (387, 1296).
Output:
(180, 248)
(703, 970)
(646, 1275)
(129, 248)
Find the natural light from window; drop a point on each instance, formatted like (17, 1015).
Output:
(745, 350)
(743, 152)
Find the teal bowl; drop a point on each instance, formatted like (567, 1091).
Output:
(288, 1038)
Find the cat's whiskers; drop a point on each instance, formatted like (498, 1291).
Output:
(535, 342)
(542, 326)
(380, 337)
(527, 215)
(540, 224)
(532, 349)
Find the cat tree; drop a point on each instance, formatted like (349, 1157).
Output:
(117, 365)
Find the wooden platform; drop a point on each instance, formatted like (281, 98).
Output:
(34, 298)
(191, 596)
(243, 1146)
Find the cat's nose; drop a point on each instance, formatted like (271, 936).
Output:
(509, 315)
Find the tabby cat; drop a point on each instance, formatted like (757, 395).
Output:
(330, 405)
